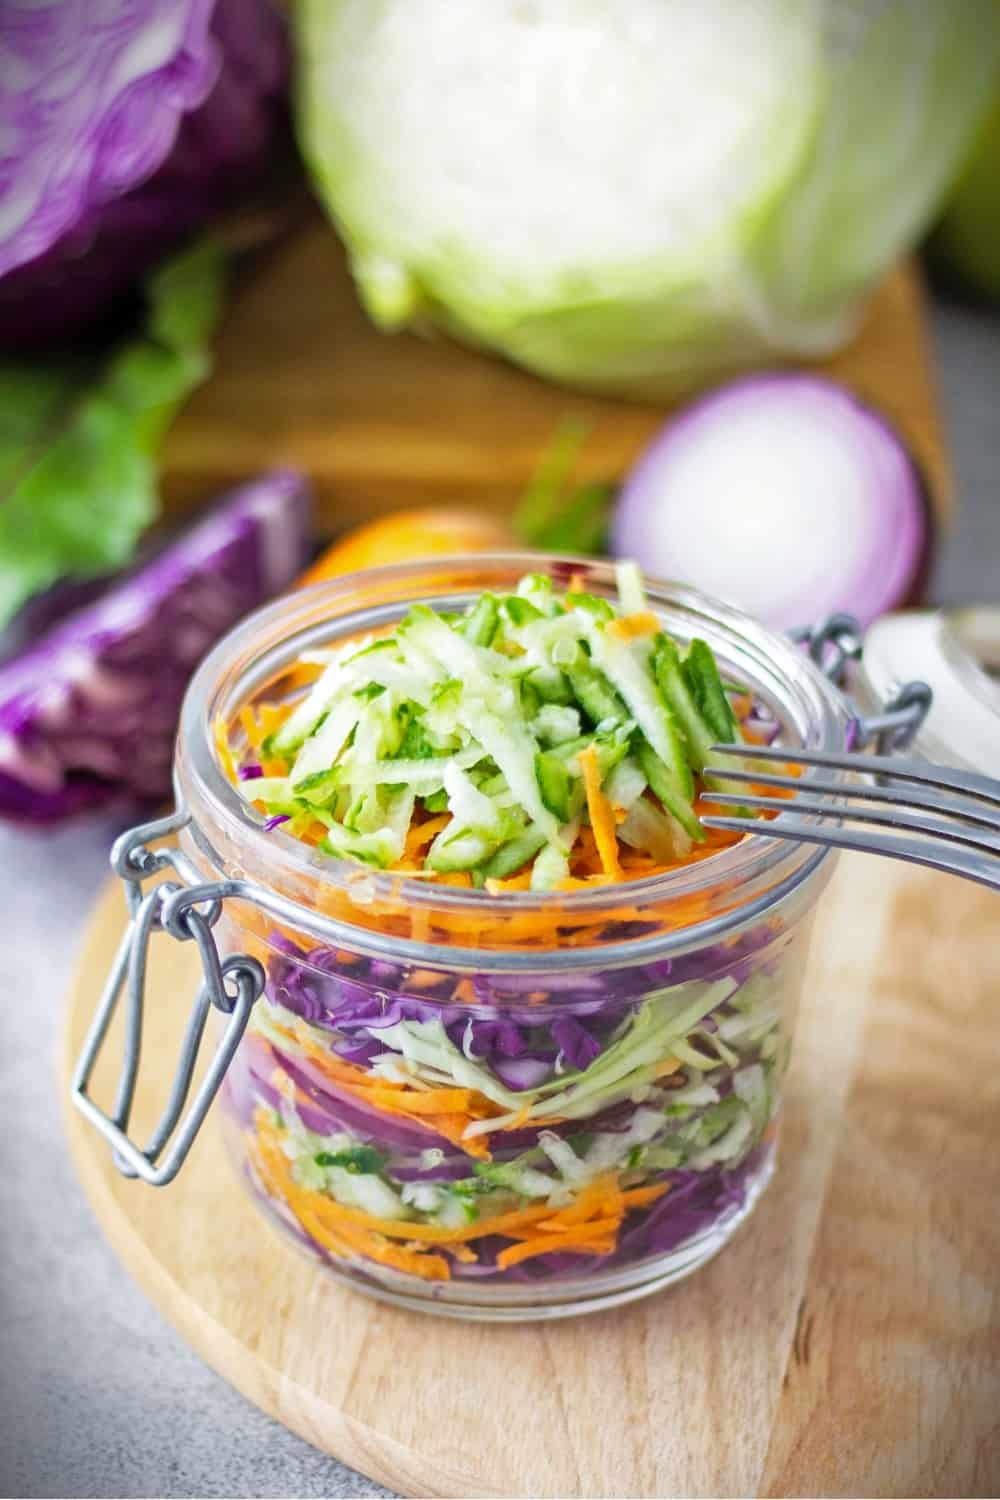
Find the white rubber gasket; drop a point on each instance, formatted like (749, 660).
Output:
(957, 653)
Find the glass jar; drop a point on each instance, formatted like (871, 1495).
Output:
(610, 1060)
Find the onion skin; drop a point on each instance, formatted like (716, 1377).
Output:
(844, 519)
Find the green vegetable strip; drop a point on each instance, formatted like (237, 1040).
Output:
(594, 694)
(705, 685)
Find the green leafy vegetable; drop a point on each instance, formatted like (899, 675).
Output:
(78, 436)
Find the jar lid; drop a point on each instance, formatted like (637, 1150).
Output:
(957, 653)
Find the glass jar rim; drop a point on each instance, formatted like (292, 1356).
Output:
(270, 639)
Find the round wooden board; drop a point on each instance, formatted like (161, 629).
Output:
(750, 1378)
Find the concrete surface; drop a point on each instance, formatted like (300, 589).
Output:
(97, 1396)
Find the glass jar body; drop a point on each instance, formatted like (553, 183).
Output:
(503, 1107)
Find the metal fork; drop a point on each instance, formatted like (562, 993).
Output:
(933, 815)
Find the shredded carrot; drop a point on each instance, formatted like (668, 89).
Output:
(583, 1241)
(463, 1253)
(422, 834)
(602, 819)
(251, 728)
(423, 979)
(520, 882)
(271, 716)
(601, 1197)
(630, 627)
(220, 734)
(640, 1196)
(303, 674)
(313, 833)
(465, 992)
(420, 924)
(422, 1102)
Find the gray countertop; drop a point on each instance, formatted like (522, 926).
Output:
(98, 1397)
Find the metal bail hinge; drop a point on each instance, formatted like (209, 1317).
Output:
(186, 909)
(839, 639)
(895, 728)
(831, 643)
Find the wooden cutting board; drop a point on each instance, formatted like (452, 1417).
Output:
(301, 377)
(846, 1343)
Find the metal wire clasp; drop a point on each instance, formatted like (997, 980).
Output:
(187, 910)
(835, 642)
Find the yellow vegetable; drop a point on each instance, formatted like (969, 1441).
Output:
(408, 536)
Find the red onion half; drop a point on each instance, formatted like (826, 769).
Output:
(784, 494)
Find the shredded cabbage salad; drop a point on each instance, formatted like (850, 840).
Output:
(415, 1125)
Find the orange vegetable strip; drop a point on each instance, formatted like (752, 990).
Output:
(252, 730)
(313, 833)
(420, 834)
(276, 767)
(640, 1196)
(420, 924)
(464, 1254)
(423, 979)
(386, 1093)
(220, 735)
(272, 715)
(602, 819)
(546, 1243)
(603, 1194)
(433, 1102)
(629, 627)
(603, 1198)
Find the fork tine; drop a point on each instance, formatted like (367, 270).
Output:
(952, 860)
(900, 818)
(929, 801)
(925, 774)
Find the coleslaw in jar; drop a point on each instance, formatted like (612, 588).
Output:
(523, 1027)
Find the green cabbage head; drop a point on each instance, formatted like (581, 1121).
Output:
(636, 195)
